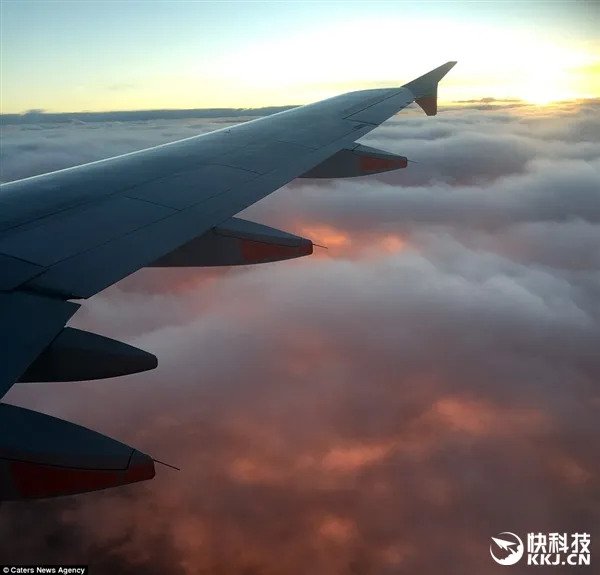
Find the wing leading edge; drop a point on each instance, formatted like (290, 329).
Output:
(71, 233)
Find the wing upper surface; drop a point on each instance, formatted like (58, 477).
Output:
(90, 226)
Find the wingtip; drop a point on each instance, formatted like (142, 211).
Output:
(425, 87)
(448, 65)
(432, 77)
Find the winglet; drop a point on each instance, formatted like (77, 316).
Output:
(425, 87)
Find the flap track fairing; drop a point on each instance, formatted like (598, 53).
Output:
(237, 242)
(43, 456)
(77, 355)
(355, 162)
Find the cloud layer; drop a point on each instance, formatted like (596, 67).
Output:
(383, 407)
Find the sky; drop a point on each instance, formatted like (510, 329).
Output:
(81, 55)
(382, 407)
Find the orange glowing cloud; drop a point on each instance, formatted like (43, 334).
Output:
(483, 418)
(326, 236)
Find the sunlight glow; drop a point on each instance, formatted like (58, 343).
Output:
(306, 63)
(317, 64)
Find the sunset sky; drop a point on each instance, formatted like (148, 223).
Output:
(110, 55)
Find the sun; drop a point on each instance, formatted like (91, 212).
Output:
(541, 97)
(544, 87)
(546, 97)
(544, 83)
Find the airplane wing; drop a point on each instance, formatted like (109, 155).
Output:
(69, 234)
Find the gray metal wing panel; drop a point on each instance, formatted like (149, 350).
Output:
(28, 200)
(15, 272)
(373, 97)
(81, 229)
(262, 157)
(183, 190)
(321, 133)
(377, 113)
